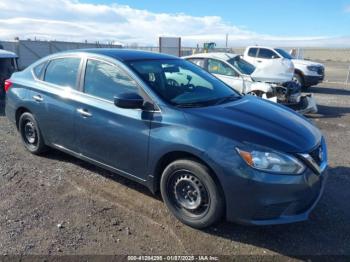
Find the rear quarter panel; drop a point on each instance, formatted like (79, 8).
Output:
(17, 95)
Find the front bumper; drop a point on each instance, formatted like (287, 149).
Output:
(254, 197)
(306, 105)
(280, 200)
(313, 80)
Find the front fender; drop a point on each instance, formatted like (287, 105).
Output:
(182, 141)
(259, 86)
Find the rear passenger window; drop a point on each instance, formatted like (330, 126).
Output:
(63, 71)
(252, 52)
(106, 81)
(220, 68)
(38, 70)
(267, 54)
(197, 61)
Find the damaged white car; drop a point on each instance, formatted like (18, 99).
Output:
(272, 81)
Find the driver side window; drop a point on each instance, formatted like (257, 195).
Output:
(267, 54)
(220, 68)
(106, 81)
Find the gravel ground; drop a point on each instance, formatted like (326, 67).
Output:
(336, 71)
(57, 204)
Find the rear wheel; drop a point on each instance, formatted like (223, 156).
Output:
(191, 194)
(30, 134)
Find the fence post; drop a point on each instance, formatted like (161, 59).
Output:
(348, 77)
(17, 48)
(50, 47)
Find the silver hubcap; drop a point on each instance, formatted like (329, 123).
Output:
(189, 192)
(30, 133)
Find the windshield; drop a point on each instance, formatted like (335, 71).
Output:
(243, 66)
(283, 53)
(182, 83)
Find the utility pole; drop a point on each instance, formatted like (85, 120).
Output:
(348, 77)
(226, 41)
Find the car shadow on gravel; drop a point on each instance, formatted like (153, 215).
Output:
(328, 90)
(61, 156)
(330, 111)
(325, 233)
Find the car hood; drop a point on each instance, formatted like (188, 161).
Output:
(257, 121)
(274, 71)
(305, 62)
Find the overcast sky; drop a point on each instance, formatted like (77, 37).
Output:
(273, 22)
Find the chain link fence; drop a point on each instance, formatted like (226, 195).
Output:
(30, 51)
(337, 61)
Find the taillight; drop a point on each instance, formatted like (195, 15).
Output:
(7, 85)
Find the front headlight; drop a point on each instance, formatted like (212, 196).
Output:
(312, 68)
(274, 162)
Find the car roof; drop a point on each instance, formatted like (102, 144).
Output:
(125, 54)
(217, 55)
(261, 46)
(7, 54)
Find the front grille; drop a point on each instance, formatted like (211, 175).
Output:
(320, 71)
(315, 154)
(317, 158)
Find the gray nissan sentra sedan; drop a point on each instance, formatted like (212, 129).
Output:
(173, 127)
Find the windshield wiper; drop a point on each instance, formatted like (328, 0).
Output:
(210, 102)
(194, 104)
(227, 99)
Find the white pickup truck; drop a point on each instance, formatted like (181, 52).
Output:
(306, 73)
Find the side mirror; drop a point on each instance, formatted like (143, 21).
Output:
(129, 100)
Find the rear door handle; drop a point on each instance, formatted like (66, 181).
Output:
(259, 61)
(84, 112)
(38, 98)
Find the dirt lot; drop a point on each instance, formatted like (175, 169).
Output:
(57, 204)
(336, 72)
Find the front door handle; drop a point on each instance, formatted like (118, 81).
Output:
(84, 112)
(38, 98)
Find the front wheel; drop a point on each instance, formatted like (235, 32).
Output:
(30, 134)
(297, 78)
(191, 194)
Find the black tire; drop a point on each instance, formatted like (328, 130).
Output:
(299, 79)
(204, 205)
(30, 134)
